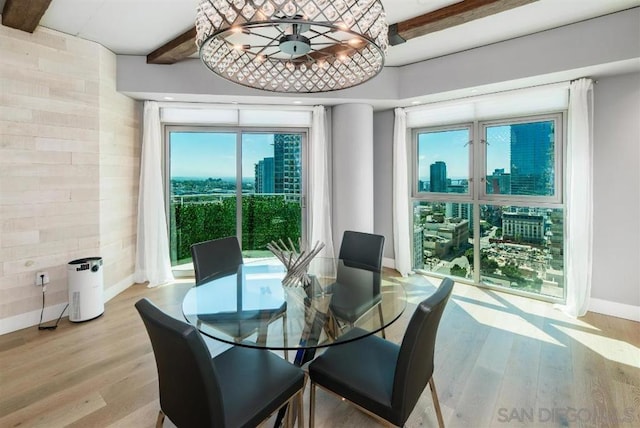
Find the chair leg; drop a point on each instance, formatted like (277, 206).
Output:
(384, 336)
(160, 420)
(262, 334)
(289, 415)
(300, 409)
(312, 405)
(335, 328)
(284, 334)
(330, 327)
(436, 403)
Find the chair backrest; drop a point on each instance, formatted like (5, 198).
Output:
(216, 256)
(362, 249)
(415, 360)
(189, 390)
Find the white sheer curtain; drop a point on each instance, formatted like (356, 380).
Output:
(579, 237)
(152, 258)
(401, 209)
(319, 195)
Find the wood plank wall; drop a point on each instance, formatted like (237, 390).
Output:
(69, 162)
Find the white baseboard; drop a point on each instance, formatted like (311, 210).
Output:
(18, 322)
(615, 309)
(118, 288)
(51, 313)
(389, 263)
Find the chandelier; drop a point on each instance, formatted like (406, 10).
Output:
(293, 45)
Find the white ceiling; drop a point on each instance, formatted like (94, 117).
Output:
(137, 27)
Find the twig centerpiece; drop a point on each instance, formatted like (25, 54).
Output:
(296, 262)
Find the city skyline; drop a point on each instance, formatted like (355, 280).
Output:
(202, 155)
(452, 147)
(271, 163)
(529, 170)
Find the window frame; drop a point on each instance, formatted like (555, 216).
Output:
(478, 196)
(559, 145)
(439, 196)
(168, 128)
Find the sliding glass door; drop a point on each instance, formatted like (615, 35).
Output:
(271, 190)
(244, 183)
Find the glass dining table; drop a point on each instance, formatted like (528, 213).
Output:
(251, 307)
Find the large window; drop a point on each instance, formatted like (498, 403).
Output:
(508, 231)
(239, 182)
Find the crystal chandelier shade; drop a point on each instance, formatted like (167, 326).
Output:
(298, 46)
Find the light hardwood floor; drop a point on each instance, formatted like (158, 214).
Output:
(501, 361)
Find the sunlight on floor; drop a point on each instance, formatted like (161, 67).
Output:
(506, 321)
(612, 349)
(547, 311)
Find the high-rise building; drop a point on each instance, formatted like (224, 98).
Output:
(462, 211)
(499, 183)
(523, 227)
(264, 172)
(441, 239)
(532, 158)
(457, 186)
(438, 177)
(555, 233)
(418, 250)
(282, 172)
(287, 150)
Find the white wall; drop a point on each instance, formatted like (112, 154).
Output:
(602, 40)
(137, 78)
(352, 148)
(616, 193)
(382, 174)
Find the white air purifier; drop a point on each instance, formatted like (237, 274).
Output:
(86, 289)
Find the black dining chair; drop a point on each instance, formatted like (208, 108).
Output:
(380, 377)
(223, 256)
(216, 257)
(239, 388)
(362, 251)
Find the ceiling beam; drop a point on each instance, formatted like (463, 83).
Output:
(449, 16)
(175, 50)
(458, 13)
(24, 15)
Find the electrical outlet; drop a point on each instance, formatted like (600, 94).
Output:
(42, 278)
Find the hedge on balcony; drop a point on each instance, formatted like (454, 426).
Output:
(264, 219)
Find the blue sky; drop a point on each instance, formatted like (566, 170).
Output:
(499, 148)
(208, 154)
(451, 147)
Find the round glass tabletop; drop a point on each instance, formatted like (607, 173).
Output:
(251, 307)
